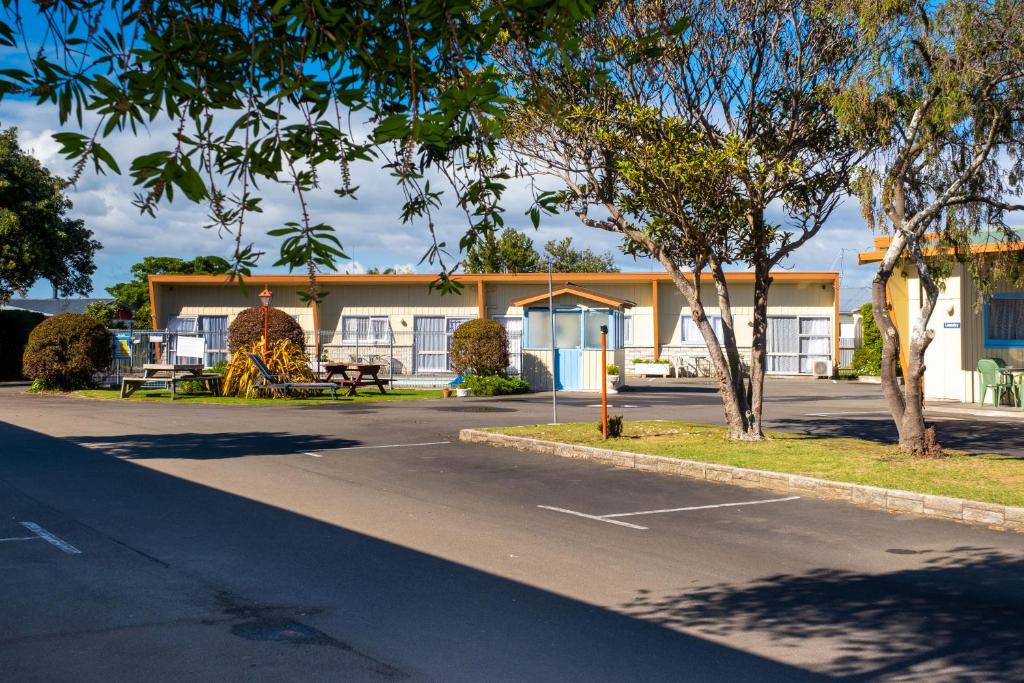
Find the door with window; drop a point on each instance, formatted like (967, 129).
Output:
(568, 349)
(514, 331)
(430, 344)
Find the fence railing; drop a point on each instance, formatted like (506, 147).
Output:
(400, 353)
(847, 346)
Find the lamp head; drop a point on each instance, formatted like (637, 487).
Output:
(265, 296)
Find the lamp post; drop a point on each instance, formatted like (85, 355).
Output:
(604, 381)
(554, 351)
(265, 297)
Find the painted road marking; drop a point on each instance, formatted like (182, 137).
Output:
(593, 517)
(700, 507)
(19, 538)
(390, 445)
(613, 518)
(50, 538)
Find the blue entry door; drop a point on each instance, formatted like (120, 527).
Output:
(568, 350)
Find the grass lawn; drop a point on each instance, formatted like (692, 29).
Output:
(989, 478)
(164, 396)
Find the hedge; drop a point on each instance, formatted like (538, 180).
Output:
(15, 327)
(247, 328)
(480, 346)
(63, 352)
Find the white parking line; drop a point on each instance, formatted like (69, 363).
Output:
(593, 517)
(613, 518)
(19, 538)
(701, 507)
(50, 538)
(390, 445)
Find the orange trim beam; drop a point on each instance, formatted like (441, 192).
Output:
(655, 321)
(481, 308)
(590, 295)
(991, 248)
(152, 304)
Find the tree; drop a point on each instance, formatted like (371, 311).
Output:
(941, 109)
(377, 271)
(511, 252)
(703, 133)
(37, 239)
(135, 293)
(259, 93)
(564, 258)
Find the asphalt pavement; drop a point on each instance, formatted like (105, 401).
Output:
(363, 542)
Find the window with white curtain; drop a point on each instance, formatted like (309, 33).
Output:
(627, 329)
(796, 342)
(364, 329)
(690, 334)
(1004, 321)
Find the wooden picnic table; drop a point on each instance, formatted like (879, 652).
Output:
(366, 374)
(170, 375)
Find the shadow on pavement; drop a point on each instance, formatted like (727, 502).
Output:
(418, 613)
(209, 446)
(941, 620)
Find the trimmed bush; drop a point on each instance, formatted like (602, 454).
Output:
(614, 426)
(63, 352)
(480, 346)
(494, 385)
(15, 327)
(247, 328)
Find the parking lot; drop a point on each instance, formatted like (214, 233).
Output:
(365, 542)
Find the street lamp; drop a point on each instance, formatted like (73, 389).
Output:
(265, 297)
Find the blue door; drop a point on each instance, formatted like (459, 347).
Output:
(568, 349)
(568, 373)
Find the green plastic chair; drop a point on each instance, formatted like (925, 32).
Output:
(992, 379)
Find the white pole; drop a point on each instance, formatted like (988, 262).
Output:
(554, 359)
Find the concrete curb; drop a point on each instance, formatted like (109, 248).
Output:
(943, 410)
(889, 500)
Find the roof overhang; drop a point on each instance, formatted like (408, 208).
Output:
(881, 244)
(574, 290)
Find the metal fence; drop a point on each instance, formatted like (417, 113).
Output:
(400, 353)
(846, 348)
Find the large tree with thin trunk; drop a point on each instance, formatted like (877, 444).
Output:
(941, 109)
(703, 133)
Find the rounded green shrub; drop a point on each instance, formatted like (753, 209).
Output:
(480, 346)
(247, 328)
(63, 352)
(15, 326)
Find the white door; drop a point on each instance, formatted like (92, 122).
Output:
(513, 325)
(430, 348)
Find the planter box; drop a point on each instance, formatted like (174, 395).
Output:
(463, 393)
(652, 369)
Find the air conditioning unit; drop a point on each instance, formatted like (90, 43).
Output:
(822, 368)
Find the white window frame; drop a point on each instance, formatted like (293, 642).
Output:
(627, 328)
(716, 323)
(800, 356)
(369, 338)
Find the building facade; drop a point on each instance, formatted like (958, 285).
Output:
(967, 326)
(401, 318)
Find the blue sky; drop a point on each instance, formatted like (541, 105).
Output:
(370, 228)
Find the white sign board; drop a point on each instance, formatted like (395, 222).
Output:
(191, 347)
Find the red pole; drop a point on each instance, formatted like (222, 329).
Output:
(604, 381)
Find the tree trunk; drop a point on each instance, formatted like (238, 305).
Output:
(759, 344)
(916, 437)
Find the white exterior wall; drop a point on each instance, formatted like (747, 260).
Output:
(951, 360)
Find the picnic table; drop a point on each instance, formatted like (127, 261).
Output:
(1016, 377)
(169, 375)
(366, 375)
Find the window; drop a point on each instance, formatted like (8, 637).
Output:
(1004, 321)
(365, 329)
(794, 343)
(182, 323)
(627, 329)
(538, 327)
(690, 334)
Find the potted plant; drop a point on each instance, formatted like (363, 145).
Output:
(462, 391)
(613, 377)
(446, 392)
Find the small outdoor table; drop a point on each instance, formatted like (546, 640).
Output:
(366, 374)
(1016, 377)
(169, 375)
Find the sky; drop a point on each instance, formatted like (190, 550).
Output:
(369, 227)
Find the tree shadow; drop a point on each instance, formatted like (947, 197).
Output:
(973, 437)
(264, 573)
(957, 617)
(209, 446)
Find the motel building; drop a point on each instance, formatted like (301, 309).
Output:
(967, 327)
(399, 322)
